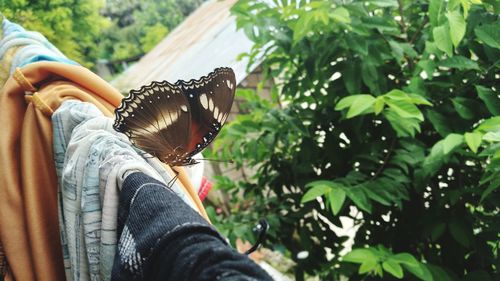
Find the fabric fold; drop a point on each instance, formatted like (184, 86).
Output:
(29, 226)
(92, 160)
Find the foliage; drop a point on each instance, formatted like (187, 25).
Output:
(137, 25)
(384, 111)
(70, 25)
(86, 31)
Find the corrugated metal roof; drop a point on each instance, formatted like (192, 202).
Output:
(205, 40)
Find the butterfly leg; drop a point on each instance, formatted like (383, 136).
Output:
(172, 181)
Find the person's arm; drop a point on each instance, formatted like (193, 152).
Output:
(162, 238)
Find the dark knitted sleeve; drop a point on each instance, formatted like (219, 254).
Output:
(162, 238)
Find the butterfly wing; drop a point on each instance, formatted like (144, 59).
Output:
(156, 119)
(210, 100)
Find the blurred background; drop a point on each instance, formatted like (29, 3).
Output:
(367, 133)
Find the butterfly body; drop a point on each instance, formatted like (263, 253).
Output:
(173, 122)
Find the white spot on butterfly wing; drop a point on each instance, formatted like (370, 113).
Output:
(216, 112)
(164, 120)
(175, 115)
(184, 108)
(229, 84)
(224, 119)
(204, 100)
(210, 104)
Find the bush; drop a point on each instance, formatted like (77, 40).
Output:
(384, 111)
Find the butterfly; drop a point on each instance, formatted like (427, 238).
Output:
(173, 122)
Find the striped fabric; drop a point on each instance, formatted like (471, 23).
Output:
(20, 47)
(92, 160)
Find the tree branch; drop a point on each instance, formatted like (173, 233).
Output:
(386, 159)
(402, 23)
(419, 29)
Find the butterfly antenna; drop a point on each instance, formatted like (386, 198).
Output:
(230, 161)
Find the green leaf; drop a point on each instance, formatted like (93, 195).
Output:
(451, 142)
(418, 99)
(359, 105)
(408, 49)
(370, 76)
(492, 136)
(466, 6)
(442, 39)
(368, 266)
(452, 4)
(459, 62)
(345, 102)
(374, 195)
(378, 106)
(303, 26)
(439, 274)
(473, 140)
(489, 34)
(459, 231)
(397, 94)
(405, 258)
(439, 122)
(437, 231)
(336, 197)
(405, 109)
(351, 77)
(428, 66)
(357, 44)
(490, 99)
(319, 188)
(359, 198)
(457, 26)
(431, 47)
(341, 14)
(397, 50)
(461, 105)
(393, 268)
(435, 8)
(360, 256)
(489, 125)
(411, 264)
(403, 126)
(384, 3)
(382, 24)
(421, 271)
(492, 187)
